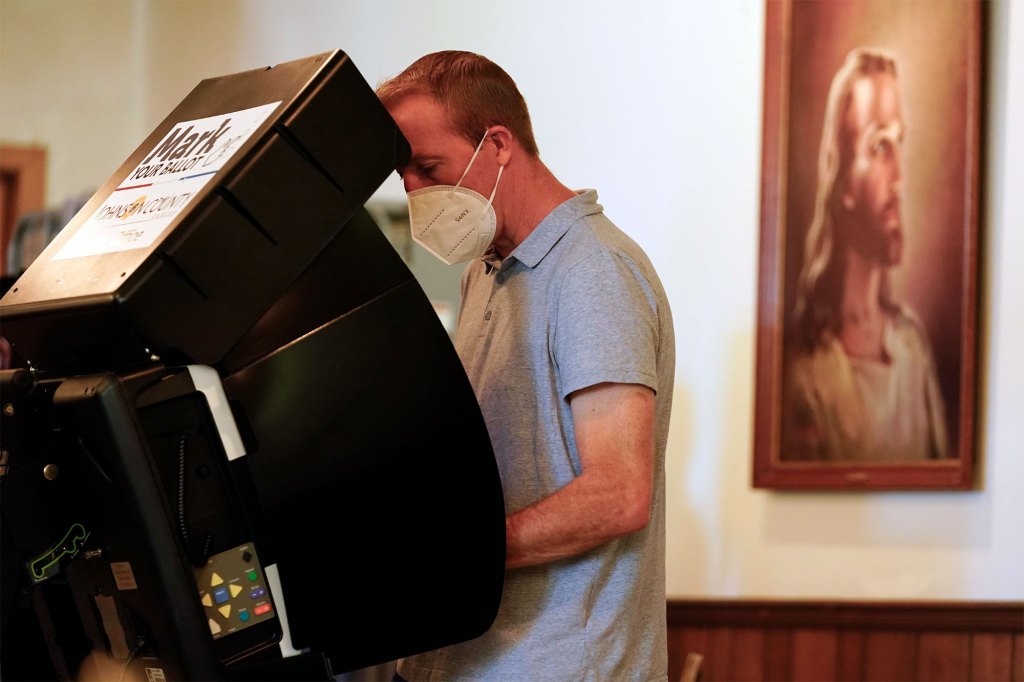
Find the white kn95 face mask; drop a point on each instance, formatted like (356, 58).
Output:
(454, 223)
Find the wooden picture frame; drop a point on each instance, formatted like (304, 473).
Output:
(867, 329)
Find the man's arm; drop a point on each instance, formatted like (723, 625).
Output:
(614, 429)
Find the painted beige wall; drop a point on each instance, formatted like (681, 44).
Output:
(658, 106)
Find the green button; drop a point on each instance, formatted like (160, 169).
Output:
(251, 574)
(243, 616)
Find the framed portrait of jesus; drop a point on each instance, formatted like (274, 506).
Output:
(867, 302)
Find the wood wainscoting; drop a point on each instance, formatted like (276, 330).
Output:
(848, 640)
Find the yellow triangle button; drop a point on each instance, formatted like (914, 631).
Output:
(207, 600)
(215, 580)
(225, 610)
(235, 590)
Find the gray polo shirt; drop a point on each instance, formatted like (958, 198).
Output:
(576, 304)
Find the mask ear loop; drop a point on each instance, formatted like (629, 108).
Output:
(451, 192)
(495, 190)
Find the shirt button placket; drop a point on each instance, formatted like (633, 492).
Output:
(498, 279)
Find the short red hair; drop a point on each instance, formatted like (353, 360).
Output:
(475, 93)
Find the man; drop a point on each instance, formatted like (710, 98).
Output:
(566, 336)
(863, 386)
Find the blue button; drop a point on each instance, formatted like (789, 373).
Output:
(220, 595)
(257, 593)
(243, 615)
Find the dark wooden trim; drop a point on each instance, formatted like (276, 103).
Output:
(977, 616)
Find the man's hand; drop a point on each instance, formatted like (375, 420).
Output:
(614, 429)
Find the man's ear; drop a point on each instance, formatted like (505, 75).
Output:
(504, 143)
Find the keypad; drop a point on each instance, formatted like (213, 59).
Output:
(233, 591)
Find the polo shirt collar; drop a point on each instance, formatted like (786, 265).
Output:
(544, 237)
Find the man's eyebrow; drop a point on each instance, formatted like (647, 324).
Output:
(420, 159)
(893, 127)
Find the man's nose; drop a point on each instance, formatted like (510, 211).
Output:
(897, 168)
(412, 182)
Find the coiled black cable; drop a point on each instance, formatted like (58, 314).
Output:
(182, 523)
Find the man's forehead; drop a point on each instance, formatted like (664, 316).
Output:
(424, 123)
(875, 103)
(418, 110)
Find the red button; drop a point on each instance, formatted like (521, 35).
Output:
(261, 609)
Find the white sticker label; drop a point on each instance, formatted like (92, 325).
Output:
(161, 187)
(124, 577)
(155, 675)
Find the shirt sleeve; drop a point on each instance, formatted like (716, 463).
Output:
(607, 325)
